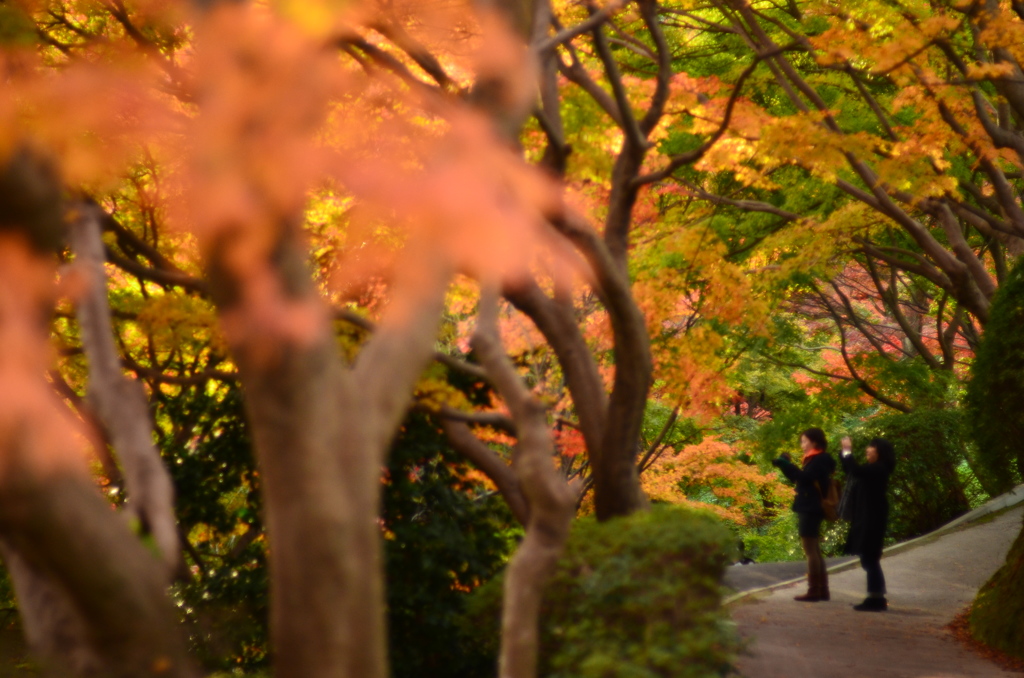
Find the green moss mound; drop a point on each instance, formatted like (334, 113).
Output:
(635, 597)
(997, 617)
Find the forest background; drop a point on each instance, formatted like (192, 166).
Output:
(312, 290)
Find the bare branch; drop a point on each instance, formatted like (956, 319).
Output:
(495, 420)
(649, 12)
(892, 296)
(745, 205)
(159, 276)
(494, 467)
(635, 139)
(566, 34)
(655, 449)
(395, 32)
(575, 73)
(692, 156)
(862, 383)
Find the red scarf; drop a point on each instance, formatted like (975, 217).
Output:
(810, 454)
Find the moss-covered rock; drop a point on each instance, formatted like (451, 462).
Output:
(997, 617)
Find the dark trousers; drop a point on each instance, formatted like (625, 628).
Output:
(876, 580)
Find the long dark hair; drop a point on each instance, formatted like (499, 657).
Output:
(886, 453)
(817, 438)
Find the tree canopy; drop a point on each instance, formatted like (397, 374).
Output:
(649, 241)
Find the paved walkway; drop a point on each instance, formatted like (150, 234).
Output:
(929, 582)
(745, 578)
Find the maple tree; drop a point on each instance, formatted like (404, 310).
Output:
(226, 120)
(869, 182)
(876, 153)
(301, 198)
(242, 132)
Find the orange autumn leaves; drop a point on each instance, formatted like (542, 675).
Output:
(36, 429)
(256, 113)
(687, 475)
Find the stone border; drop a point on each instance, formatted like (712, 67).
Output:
(1011, 498)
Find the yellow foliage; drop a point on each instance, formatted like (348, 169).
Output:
(175, 320)
(434, 393)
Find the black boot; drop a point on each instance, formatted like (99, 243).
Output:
(873, 604)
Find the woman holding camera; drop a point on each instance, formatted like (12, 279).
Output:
(812, 480)
(870, 514)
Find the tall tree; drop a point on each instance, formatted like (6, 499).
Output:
(233, 138)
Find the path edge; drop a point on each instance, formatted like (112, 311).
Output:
(1003, 501)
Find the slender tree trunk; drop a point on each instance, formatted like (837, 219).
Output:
(119, 401)
(92, 597)
(550, 500)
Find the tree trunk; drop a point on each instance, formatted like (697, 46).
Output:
(321, 432)
(91, 596)
(550, 500)
(121, 402)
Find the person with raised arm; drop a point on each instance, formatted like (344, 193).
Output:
(812, 478)
(870, 514)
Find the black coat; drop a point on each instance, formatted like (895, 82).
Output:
(870, 507)
(818, 469)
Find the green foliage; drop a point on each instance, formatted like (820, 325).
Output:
(909, 381)
(926, 489)
(444, 538)
(794, 406)
(16, 28)
(995, 406)
(778, 540)
(684, 431)
(995, 394)
(997, 617)
(794, 411)
(774, 541)
(224, 604)
(632, 597)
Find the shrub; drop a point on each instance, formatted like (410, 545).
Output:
(995, 393)
(635, 597)
(995, 401)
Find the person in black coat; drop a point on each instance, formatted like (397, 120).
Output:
(812, 480)
(870, 514)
